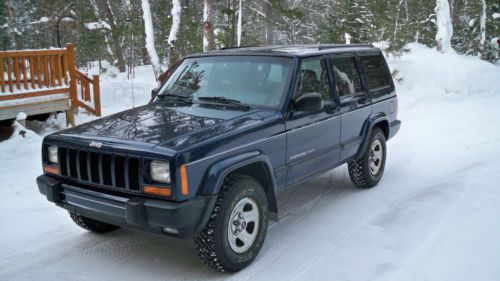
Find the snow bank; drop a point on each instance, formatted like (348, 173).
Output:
(430, 76)
(20, 139)
(121, 91)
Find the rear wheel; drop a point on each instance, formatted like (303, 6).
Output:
(367, 171)
(237, 227)
(91, 224)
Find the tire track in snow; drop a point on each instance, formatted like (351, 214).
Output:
(112, 243)
(433, 232)
(331, 193)
(53, 253)
(276, 243)
(136, 243)
(383, 209)
(194, 267)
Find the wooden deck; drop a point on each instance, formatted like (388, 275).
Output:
(45, 81)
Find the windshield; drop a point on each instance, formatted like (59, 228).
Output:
(251, 80)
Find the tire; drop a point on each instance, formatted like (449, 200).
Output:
(91, 224)
(367, 171)
(219, 244)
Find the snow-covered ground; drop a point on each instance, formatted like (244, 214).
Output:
(434, 216)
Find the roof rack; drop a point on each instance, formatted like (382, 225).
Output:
(333, 46)
(239, 47)
(301, 47)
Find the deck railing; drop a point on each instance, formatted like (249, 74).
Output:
(37, 73)
(86, 86)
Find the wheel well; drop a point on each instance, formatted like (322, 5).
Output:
(384, 126)
(260, 172)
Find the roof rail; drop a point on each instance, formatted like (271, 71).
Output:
(333, 46)
(239, 47)
(304, 46)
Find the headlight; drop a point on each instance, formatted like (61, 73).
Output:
(160, 171)
(52, 154)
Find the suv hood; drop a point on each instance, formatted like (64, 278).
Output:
(172, 127)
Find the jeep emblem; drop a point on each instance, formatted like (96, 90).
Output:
(95, 144)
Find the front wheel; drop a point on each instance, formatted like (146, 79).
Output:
(367, 171)
(237, 227)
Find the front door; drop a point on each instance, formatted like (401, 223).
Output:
(312, 137)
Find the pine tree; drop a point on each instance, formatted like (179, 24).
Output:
(4, 34)
(113, 30)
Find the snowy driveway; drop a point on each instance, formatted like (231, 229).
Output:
(434, 216)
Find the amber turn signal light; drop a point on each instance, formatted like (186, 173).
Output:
(50, 169)
(159, 191)
(184, 181)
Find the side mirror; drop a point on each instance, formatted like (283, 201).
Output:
(154, 92)
(309, 102)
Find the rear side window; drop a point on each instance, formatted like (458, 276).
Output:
(346, 73)
(376, 72)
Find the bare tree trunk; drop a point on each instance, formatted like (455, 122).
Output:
(444, 26)
(240, 18)
(482, 22)
(268, 30)
(115, 37)
(233, 23)
(174, 31)
(12, 25)
(150, 38)
(207, 25)
(144, 52)
(228, 33)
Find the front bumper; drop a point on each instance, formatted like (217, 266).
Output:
(152, 215)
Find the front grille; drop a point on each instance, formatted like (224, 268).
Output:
(103, 169)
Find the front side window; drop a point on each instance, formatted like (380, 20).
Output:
(346, 74)
(314, 79)
(376, 72)
(251, 80)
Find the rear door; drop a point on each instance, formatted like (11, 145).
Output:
(312, 137)
(355, 103)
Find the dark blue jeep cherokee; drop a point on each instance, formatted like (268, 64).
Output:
(220, 139)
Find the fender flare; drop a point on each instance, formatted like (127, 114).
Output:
(218, 171)
(371, 122)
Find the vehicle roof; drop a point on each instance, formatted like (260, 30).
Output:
(292, 50)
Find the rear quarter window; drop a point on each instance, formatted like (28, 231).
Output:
(377, 75)
(346, 74)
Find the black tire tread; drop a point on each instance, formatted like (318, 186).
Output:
(91, 224)
(358, 168)
(204, 243)
(356, 174)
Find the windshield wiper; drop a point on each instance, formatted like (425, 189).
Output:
(177, 97)
(223, 100)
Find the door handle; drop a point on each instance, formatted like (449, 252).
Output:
(332, 109)
(364, 100)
